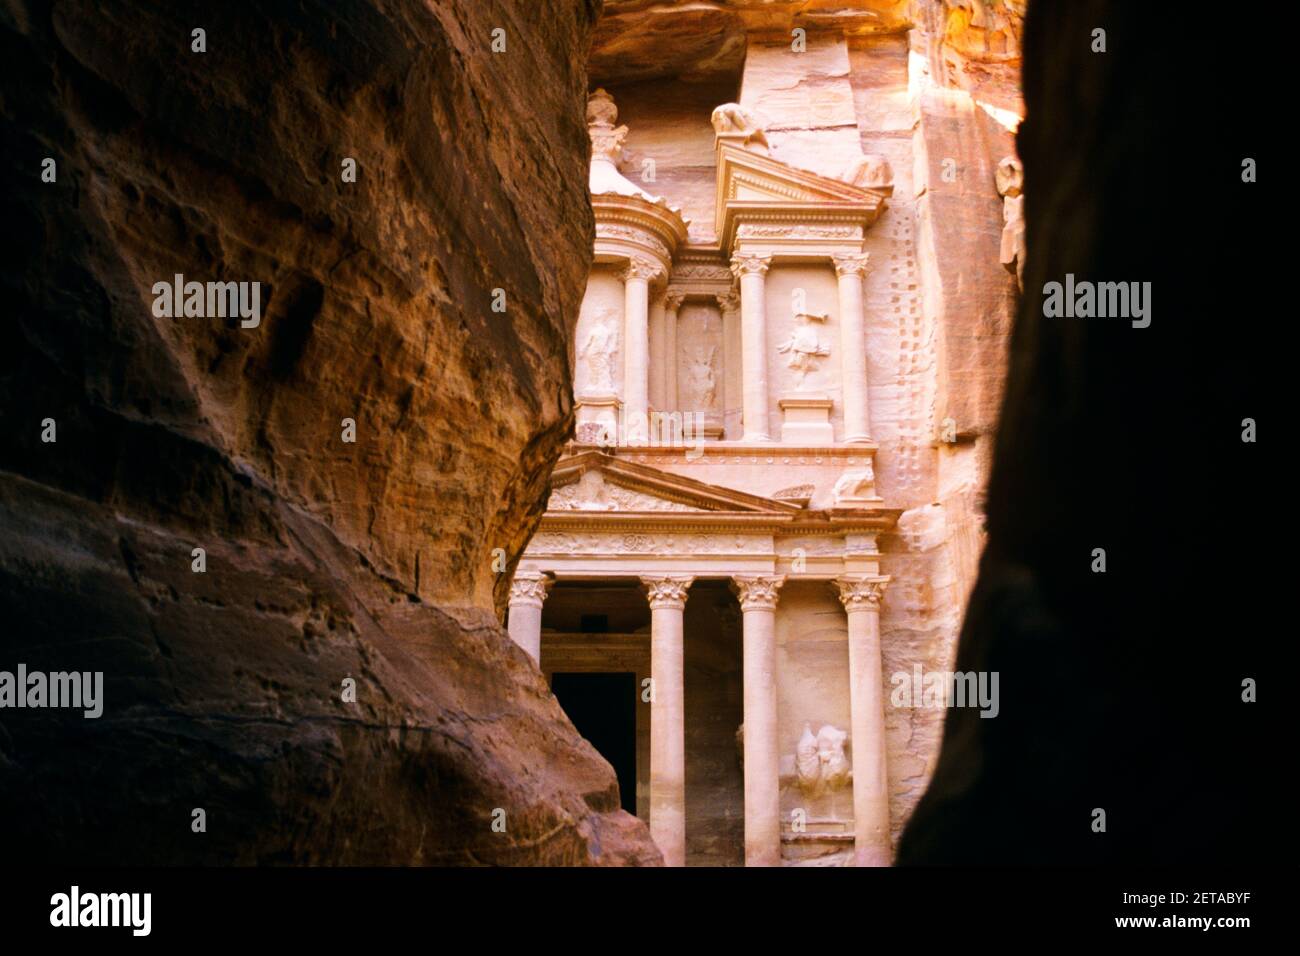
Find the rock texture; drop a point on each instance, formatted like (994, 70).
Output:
(1122, 691)
(325, 560)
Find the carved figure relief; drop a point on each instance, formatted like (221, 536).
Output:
(867, 172)
(598, 350)
(1010, 178)
(854, 486)
(702, 378)
(820, 762)
(732, 119)
(804, 346)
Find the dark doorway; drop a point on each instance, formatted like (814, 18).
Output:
(603, 709)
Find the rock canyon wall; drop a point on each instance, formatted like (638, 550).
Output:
(133, 440)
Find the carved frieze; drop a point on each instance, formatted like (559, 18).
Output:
(797, 231)
(667, 543)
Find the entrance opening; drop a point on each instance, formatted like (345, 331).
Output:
(602, 707)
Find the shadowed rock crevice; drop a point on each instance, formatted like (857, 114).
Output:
(1122, 691)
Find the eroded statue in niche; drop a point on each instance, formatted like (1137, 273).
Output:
(820, 762)
(731, 119)
(598, 350)
(868, 172)
(701, 378)
(1010, 178)
(804, 346)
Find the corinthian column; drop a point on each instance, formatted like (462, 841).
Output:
(861, 598)
(527, 594)
(758, 596)
(636, 353)
(667, 596)
(853, 341)
(751, 272)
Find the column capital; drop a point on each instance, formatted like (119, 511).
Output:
(667, 591)
(728, 301)
(757, 591)
(639, 268)
(673, 299)
(851, 265)
(862, 594)
(529, 587)
(750, 265)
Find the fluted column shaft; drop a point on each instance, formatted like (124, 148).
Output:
(667, 597)
(758, 597)
(861, 598)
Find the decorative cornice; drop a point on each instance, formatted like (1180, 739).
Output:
(862, 594)
(851, 264)
(667, 591)
(757, 592)
(529, 588)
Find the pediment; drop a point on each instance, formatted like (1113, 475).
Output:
(754, 187)
(596, 482)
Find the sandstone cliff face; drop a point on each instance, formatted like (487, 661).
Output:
(325, 559)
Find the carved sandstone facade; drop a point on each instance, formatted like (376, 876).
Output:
(758, 383)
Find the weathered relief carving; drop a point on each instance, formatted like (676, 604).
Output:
(595, 543)
(731, 119)
(702, 377)
(856, 486)
(598, 351)
(799, 493)
(867, 172)
(799, 231)
(607, 230)
(804, 346)
(606, 139)
(820, 762)
(592, 493)
(1010, 179)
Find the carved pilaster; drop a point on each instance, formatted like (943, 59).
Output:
(757, 592)
(667, 591)
(728, 302)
